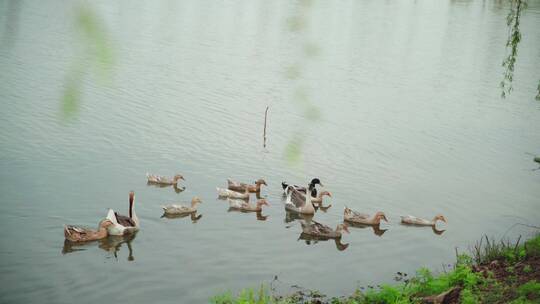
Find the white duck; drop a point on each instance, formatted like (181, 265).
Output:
(413, 220)
(174, 209)
(297, 202)
(232, 194)
(123, 224)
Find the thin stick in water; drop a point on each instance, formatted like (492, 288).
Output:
(264, 134)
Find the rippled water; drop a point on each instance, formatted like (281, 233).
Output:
(411, 122)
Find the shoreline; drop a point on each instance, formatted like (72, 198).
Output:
(493, 272)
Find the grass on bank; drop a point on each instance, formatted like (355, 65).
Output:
(496, 272)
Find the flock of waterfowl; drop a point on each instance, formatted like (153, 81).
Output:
(303, 201)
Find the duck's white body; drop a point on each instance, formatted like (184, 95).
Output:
(232, 194)
(117, 228)
(413, 220)
(122, 224)
(297, 202)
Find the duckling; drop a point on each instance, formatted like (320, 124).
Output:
(362, 218)
(413, 220)
(174, 209)
(79, 234)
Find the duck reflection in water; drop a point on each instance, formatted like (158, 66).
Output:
(247, 207)
(194, 216)
(293, 216)
(174, 186)
(376, 228)
(312, 240)
(258, 214)
(111, 244)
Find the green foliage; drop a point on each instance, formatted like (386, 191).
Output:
(487, 250)
(514, 37)
(248, 296)
(530, 290)
(527, 269)
(475, 288)
(532, 247)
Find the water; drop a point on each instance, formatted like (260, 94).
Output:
(410, 123)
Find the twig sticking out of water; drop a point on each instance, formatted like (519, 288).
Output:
(264, 134)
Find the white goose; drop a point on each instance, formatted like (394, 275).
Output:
(174, 209)
(123, 224)
(223, 193)
(297, 202)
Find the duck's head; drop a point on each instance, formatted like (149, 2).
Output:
(178, 177)
(342, 227)
(381, 216)
(196, 200)
(262, 202)
(439, 217)
(105, 223)
(260, 181)
(347, 210)
(316, 181)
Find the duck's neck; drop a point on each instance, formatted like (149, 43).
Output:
(309, 205)
(194, 204)
(131, 207)
(376, 220)
(132, 214)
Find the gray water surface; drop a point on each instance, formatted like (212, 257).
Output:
(397, 105)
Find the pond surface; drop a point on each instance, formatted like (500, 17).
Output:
(396, 104)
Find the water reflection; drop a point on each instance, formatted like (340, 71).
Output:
(293, 216)
(312, 240)
(433, 228)
(194, 216)
(258, 214)
(111, 244)
(376, 228)
(174, 186)
(321, 207)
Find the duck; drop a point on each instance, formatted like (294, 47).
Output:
(124, 224)
(319, 230)
(363, 218)
(223, 193)
(174, 209)
(297, 202)
(246, 206)
(311, 187)
(413, 220)
(163, 180)
(79, 234)
(241, 187)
